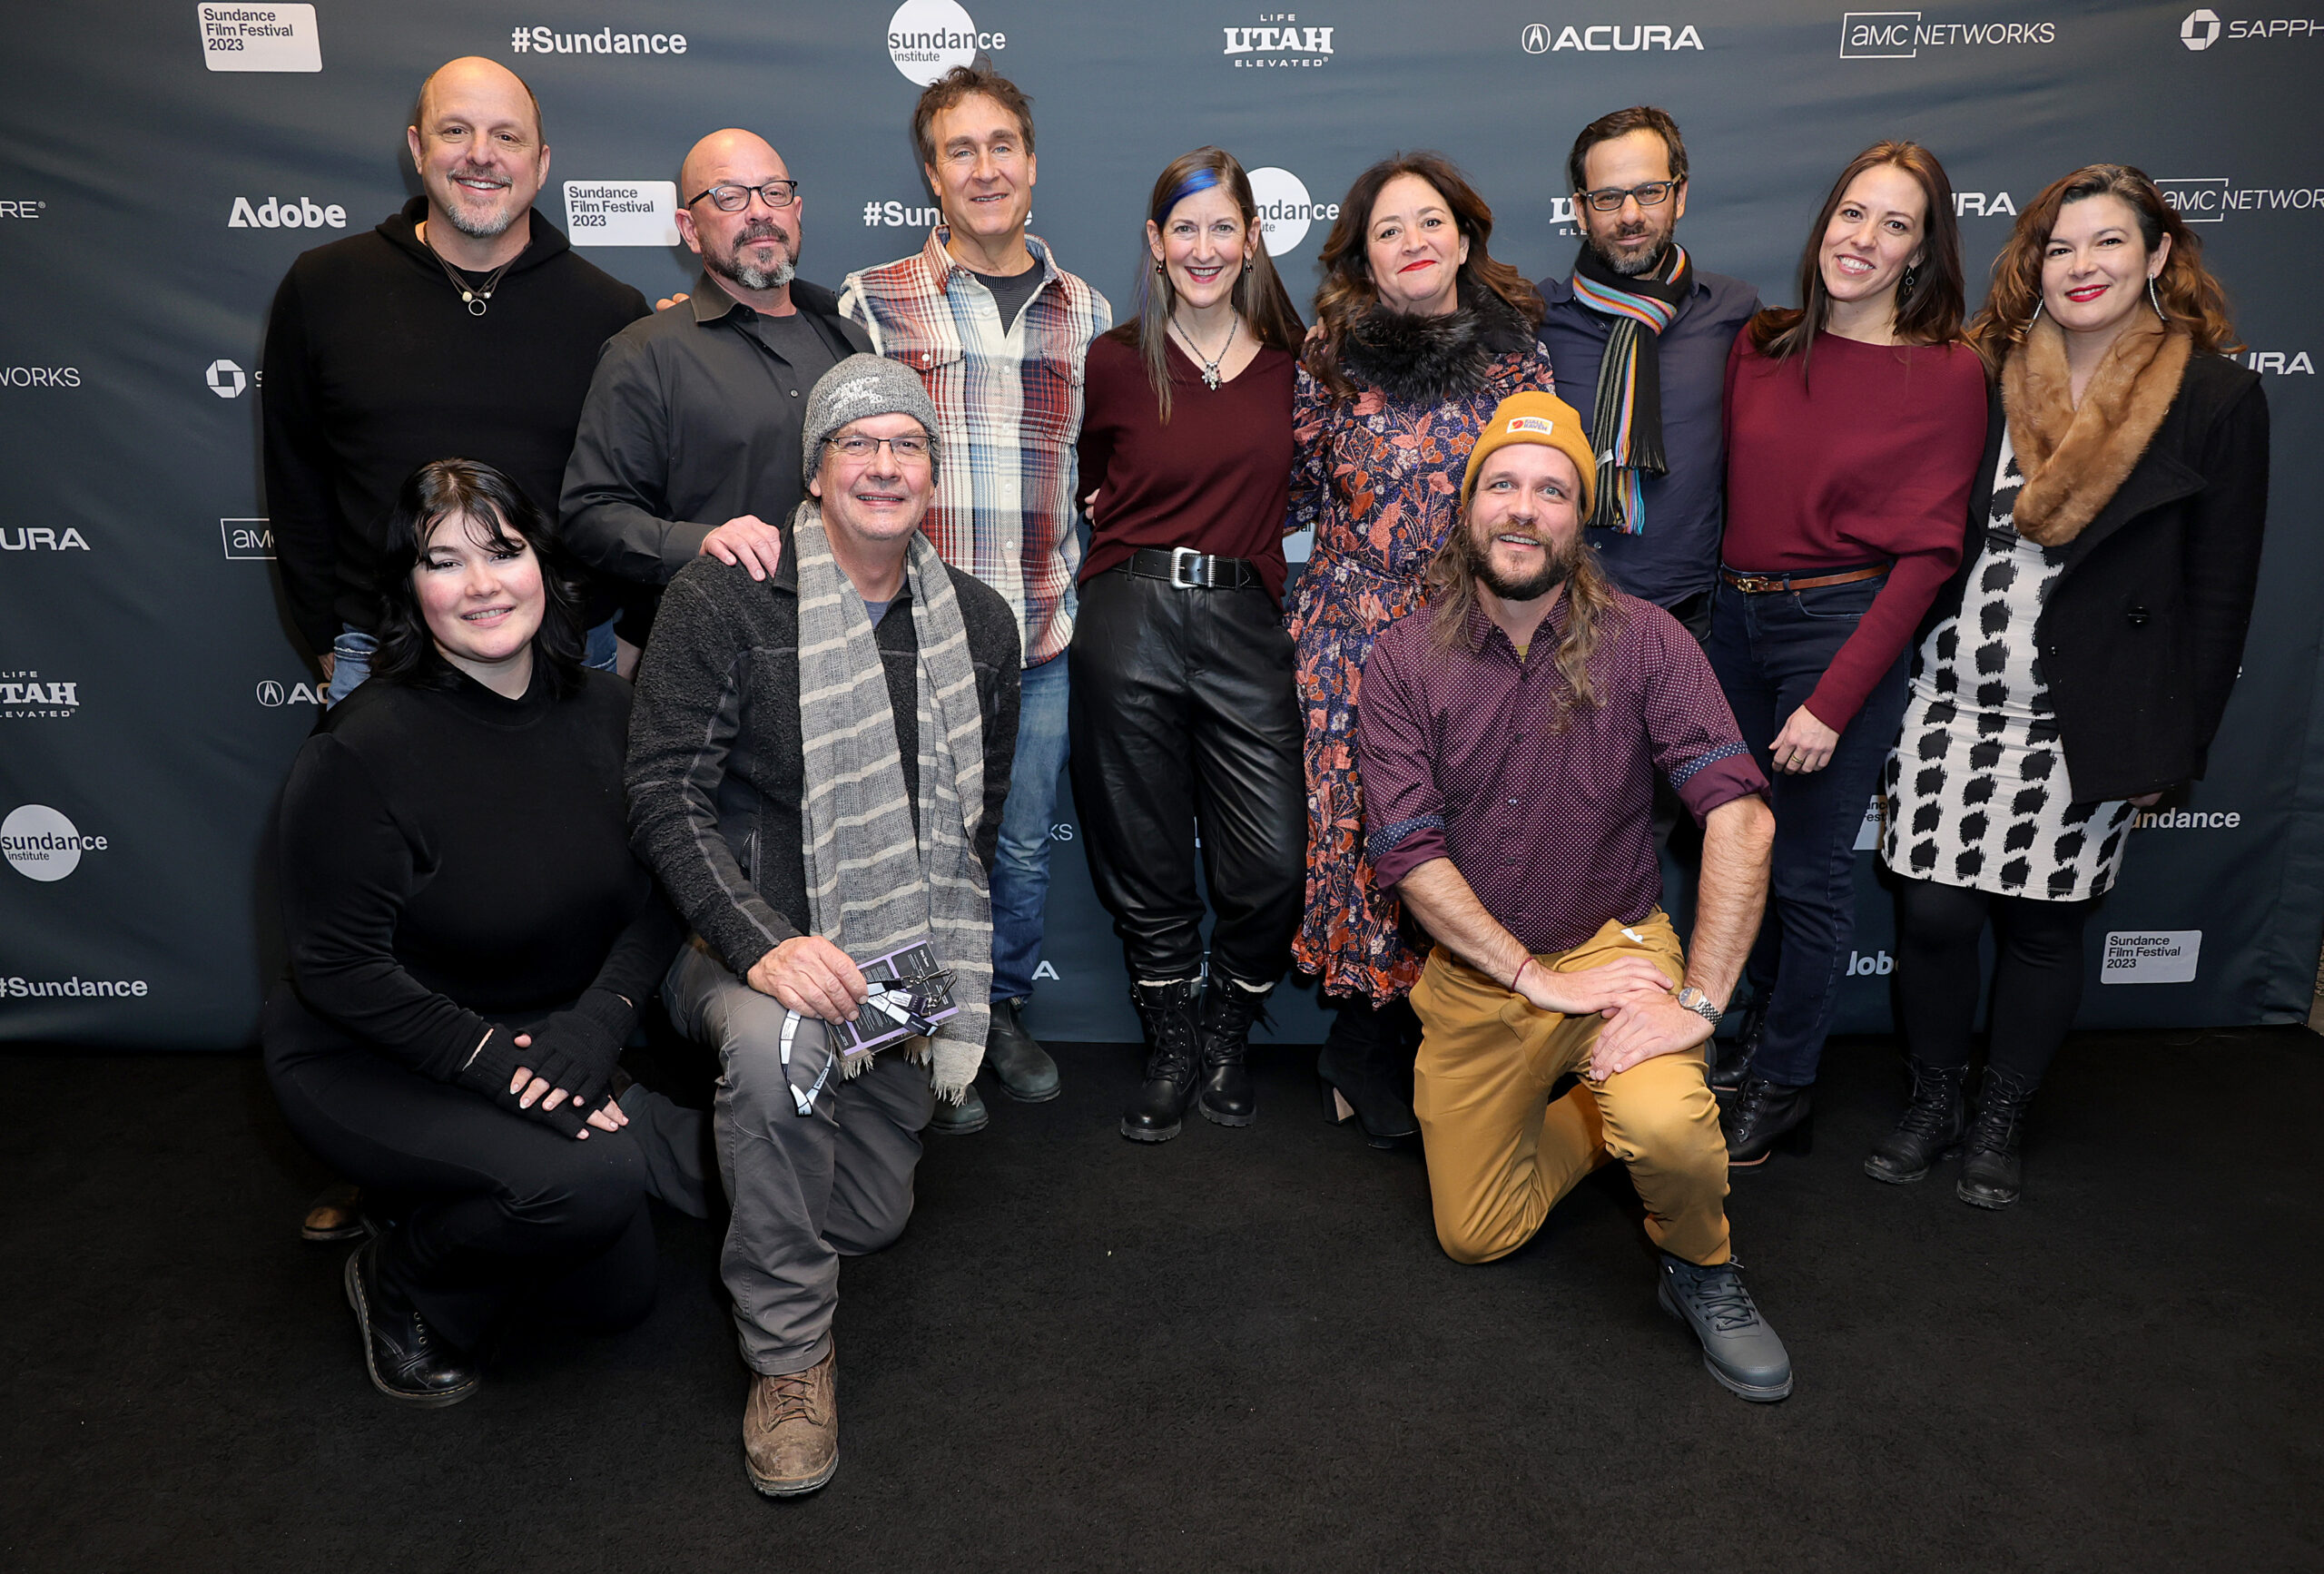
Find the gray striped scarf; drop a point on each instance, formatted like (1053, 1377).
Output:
(872, 885)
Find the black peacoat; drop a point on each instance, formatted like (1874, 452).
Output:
(2142, 635)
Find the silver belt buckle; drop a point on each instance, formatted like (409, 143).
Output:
(1182, 563)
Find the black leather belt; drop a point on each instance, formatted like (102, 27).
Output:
(1183, 568)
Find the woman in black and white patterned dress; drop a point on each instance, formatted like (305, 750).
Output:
(2077, 666)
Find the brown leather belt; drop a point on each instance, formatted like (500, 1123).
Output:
(1768, 584)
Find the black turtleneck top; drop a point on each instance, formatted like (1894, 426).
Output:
(451, 859)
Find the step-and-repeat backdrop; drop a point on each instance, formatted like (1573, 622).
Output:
(166, 160)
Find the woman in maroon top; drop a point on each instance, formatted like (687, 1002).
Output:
(1853, 423)
(1183, 708)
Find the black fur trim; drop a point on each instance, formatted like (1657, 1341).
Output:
(1428, 361)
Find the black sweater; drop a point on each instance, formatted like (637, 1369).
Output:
(452, 860)
(715, 760)
(373, 366)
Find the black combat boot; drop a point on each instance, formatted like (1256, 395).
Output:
(1167, 1013)
(1228, 1010)
(1989, 1166)
(1767, 1115)
(1929, 1129)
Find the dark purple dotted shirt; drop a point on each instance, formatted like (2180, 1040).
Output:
(1553, 830)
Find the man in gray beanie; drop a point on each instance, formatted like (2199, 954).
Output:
(865, 667)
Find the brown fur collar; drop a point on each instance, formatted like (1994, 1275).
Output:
(2076, 457)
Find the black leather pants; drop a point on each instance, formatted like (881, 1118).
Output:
(1184, 715)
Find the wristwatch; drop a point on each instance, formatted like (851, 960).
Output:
(1700, 1004)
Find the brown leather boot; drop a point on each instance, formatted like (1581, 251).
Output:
(791, 1430)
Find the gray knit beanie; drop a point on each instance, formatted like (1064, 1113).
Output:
(861, 386)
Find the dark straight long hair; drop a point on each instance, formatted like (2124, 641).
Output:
(1348, 290)
(1259, 295)
(498, 514)
(1929, 312)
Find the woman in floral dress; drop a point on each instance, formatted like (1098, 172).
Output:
(1419, 334)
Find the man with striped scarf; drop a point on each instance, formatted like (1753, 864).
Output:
(817, 765)
(1639, 337)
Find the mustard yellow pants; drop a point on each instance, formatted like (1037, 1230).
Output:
(1500, 1153)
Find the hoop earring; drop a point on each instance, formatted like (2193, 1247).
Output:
(2154, 300)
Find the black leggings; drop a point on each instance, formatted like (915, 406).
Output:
(500, 1205)
(2037, 974)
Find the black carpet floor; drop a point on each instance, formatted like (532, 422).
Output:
(1241, 1350)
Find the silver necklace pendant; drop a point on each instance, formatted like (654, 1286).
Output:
(1210, 375)
(475, 308)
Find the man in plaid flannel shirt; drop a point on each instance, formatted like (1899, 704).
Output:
(1000, 334)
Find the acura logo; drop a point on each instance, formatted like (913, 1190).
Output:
(2200, 30)
(269, 692)
(1535, 38)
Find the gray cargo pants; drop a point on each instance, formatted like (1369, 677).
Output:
(806, 1190)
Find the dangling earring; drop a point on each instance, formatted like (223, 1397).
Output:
(2154, 300)
(1157, 270)
(1911, 276)
(2037, 312)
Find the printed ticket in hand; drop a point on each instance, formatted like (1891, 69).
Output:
(910, 994)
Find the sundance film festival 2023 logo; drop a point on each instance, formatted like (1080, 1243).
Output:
(1902, 34)
(2213, 199)
(2202, 27)
(927, 38)
(622, 213)
(1607, 38)
(42, 844)
(1279, 39)
(26, 696)
(258, 37)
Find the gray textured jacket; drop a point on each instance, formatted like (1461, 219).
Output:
(715, 766)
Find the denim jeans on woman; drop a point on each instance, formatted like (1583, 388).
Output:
(351, 658)
(1769, 651)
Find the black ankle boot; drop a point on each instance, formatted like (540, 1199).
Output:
(1767, 1115)
(1929, 1129)
(1167, 1013)
(407, 1359)
(1730, 1059)
(1989, 1166)
(1228, 1010)
(1364, 1065)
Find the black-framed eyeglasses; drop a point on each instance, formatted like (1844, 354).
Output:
(1652, 194)
(733, 198)
(858, 446)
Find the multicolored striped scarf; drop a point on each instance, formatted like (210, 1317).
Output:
(1625, 419)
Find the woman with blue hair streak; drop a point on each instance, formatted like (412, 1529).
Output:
(1185, 729)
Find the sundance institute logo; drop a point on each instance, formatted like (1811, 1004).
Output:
(41, 844)
(927, 38)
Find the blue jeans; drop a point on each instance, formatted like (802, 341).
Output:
(1770, 651)
(351, 658)
(1020, 872)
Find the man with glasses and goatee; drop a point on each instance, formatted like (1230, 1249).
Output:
(689, 444)
(1639, 337)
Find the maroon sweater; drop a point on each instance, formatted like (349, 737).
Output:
(1867, 459)
(1218, 478)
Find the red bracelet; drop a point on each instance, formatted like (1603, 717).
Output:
(1519, 974)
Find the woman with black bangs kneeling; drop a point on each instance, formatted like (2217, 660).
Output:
(470, 939)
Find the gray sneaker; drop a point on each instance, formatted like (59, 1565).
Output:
(1738, 1347)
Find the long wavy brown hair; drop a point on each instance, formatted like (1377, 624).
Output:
(1259, 295)
(2192, 300)
(1348, 290)
(1592, 618)
(1929, 312)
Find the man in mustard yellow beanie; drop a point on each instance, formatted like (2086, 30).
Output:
(1510, 738)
